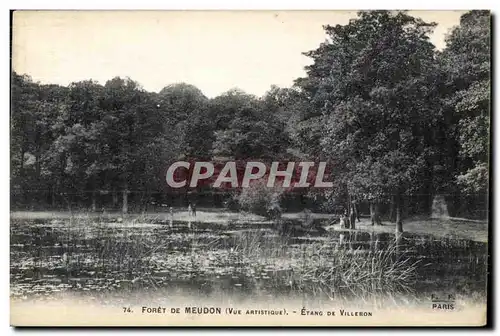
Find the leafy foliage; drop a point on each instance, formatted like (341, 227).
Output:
(260, 199)
(466, 63)
(393, 116)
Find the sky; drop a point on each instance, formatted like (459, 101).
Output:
(213, 50)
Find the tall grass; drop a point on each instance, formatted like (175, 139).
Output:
(327, 267)
(103, 250)
(259, 244)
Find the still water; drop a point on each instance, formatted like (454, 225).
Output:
(50, 258)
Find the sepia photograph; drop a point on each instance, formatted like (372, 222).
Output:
(250, 168)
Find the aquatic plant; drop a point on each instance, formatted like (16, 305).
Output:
(331, 268)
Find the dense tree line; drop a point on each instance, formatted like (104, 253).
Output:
(398, 120)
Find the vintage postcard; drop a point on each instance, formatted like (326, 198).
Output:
(250, 168)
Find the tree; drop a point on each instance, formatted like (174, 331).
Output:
(247, 128)
(466, 64)
(34, 110)
(371, 81)
(137, 139)
(186, 108)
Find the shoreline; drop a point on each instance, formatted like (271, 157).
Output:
(440, 228)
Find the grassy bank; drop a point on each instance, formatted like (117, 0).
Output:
(464, 229)
(440, 228)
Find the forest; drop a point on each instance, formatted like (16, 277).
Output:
(398, 120)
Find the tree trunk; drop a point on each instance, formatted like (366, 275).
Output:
(53, 195)
(144, 200)
(372, 213)
(355, 210)
(399, 219)
(375, 213)
(115, 199)
(94, 207)
(352, 218)
(350, 221)
(125, 199)
(392, 212)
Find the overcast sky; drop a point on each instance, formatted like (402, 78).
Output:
(215, 51)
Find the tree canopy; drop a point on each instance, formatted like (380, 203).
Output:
(395, 118)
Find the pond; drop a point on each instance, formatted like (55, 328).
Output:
(111, 261)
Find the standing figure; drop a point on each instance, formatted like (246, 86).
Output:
(344, 220)
(194, 209)
(190, 210)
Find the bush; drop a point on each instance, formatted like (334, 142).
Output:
(232, 203)
(261, 200)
